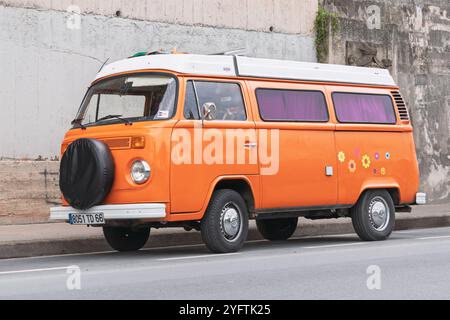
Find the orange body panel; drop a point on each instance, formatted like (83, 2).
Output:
(362, 157)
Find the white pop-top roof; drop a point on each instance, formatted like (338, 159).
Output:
(222, 65)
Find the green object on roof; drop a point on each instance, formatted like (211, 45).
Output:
(139, 54)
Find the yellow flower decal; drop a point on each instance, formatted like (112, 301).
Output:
(341, 156)
(383, 171)
(352, 166)
(365, 161)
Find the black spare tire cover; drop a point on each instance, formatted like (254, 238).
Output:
(86, 173)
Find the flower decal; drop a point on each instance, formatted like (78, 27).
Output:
(377, 156)
(383, 171)
(341, 156)
(366, 161)
(375, 171)
(388, 155)
(352, 166)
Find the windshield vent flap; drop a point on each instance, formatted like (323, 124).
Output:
(401, 106)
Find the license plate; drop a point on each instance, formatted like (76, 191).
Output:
(87, 218)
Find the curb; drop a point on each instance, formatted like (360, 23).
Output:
(97, 244)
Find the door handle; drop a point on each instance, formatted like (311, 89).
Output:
(249, 145)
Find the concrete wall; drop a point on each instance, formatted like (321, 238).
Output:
(46, 64)
(48, 56)
(284, 16)
(413, 37)
(27, 190)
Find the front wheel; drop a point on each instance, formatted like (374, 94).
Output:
(277, 229)
(373, 217)
(224, 227)
(125, 238)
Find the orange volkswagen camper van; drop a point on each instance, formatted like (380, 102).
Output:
(209, 142)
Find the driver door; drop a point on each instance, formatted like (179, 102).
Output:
(219, 143)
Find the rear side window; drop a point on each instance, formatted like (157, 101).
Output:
(292, 105)
(364, 108)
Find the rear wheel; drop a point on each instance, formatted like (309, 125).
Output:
(277, 229)
(125, 238)
(373, 217)
(224, 227)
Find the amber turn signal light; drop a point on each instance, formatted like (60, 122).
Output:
(138, 142)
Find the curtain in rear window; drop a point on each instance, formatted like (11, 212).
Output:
(364, 108)
(292, 105)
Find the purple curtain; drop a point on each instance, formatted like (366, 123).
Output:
(292, 105)
(364, 108)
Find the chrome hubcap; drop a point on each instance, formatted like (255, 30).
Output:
(230, 221)
(379, 213)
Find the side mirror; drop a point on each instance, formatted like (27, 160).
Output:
(209, 111)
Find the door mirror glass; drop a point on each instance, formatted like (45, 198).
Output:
(209, 111)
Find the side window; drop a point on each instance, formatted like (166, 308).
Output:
(223, 100)
(292, 105)
(190, 103)
(364, 108)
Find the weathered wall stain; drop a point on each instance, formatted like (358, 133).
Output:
(27, 190)
(51, 182)
(414, 37)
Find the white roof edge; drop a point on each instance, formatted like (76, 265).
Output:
(182, 63)
(221, 65)
(308, 71)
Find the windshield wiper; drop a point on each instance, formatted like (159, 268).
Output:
(115, 116)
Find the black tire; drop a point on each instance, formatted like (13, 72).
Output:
(277, 229)
(125, 238)
(86, 173)
(374, 227)
(217, 230)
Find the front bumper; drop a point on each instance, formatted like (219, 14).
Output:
(115, 211)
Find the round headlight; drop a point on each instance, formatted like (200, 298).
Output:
(140, 171)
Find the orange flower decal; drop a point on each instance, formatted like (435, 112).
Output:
(352, 166)
(366, 161)
(341, 156)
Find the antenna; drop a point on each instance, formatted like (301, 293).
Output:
(101, 68)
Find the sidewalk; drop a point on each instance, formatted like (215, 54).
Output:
(61, 238)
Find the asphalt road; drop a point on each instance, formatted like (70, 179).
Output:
(413, 264)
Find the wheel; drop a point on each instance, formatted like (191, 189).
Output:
(373, 217)
(125, 238)
(277, 229)
(224, 227)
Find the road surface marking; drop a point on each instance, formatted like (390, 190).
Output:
(199, 257)
(436, 237)
(337, 245)
(33, 270)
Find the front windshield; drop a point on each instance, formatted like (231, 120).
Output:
(128, 98)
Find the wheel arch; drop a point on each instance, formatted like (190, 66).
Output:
(240, 184)
(393, 188)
